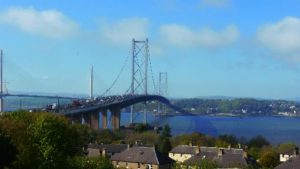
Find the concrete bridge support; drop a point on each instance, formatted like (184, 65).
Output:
(115, 120)
(86, 119)
(104, 118)
(95, 120)
(76, 118)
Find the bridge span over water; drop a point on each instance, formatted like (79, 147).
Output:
(114, 104)
(90, 109)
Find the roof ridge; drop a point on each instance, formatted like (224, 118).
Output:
(155, 155)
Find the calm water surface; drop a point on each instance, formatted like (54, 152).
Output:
(275, 129)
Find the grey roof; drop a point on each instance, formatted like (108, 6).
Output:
(230, 158)
(226, 150)
(292, 163)
(185, 149)
(147, 155)
(109, 148)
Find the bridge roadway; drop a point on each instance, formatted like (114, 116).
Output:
(90, 110)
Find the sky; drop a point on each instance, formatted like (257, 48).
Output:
(237, 48)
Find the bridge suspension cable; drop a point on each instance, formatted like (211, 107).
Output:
(152, 75)
(118, 76)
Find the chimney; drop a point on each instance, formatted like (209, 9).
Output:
(296, 151)
(197, 150)
(128, 146)
(220, 152)
(245, 154)
(104, 152)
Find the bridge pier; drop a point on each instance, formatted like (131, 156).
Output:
(86, 119)
(94, 120)
(76, 118)
(104, 118)
(115, 120)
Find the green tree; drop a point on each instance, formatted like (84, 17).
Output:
(139, 128)
(148, 138)
(164, 144)
(54, 139)
(16, 125)
(194, 138)
(258, 141)
(8, 151)
(90, 163)
(286, 147)
(255, 152)
(166, 132)
(229, 139)
(269, 159)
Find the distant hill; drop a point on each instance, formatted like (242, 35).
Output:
(216, 97)
(49, 94)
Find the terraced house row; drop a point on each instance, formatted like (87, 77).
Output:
(148, 157)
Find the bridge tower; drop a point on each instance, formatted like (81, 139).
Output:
(1, 81)
(139, 76)
(162, 90)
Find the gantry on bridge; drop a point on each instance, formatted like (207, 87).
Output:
(89, 110)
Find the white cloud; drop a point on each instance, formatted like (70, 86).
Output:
(122, 31)
(47, 23)
(183, 36)
(283, 36)
(214, 3)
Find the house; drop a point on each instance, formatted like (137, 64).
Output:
(286, 155)
(291, 163)
(141, 158)
(223, 157)
(105, 150)
(181, 153)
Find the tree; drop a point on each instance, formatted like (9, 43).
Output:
(229, 139)
(7, 151)
(269, 159)
(287, 147)
(194, 138)
(148, 138)
(164, 144)
(16, 125)
(90, 163)
(258, 141)
(166, 132)
(255, 152)
(139, 128)
(54, 139)
(45, 140)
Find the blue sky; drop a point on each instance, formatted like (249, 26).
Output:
(235, 48)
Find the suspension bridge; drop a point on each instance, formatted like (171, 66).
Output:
(88, 110)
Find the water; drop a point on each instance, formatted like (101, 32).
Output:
(275, 129)
(16, 103)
